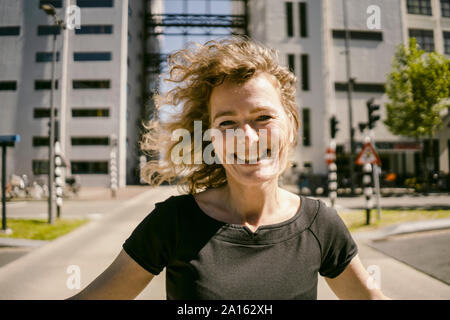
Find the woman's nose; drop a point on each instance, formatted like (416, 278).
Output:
(250, 133)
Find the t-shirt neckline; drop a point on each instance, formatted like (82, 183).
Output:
(261, 229)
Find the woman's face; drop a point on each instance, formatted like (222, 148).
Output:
(255, 108)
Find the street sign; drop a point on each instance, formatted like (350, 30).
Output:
(368, 155)
(330, 156)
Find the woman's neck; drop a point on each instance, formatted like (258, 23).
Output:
(253, 204)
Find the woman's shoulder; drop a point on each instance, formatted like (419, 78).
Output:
(174, 201)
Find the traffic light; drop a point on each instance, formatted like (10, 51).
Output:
(334, 128)
(362, 126)
(371, 108)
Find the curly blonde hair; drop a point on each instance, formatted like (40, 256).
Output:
(196, 71)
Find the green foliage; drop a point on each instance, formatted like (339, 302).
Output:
(418, 88)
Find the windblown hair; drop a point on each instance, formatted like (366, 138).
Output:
(195, 71)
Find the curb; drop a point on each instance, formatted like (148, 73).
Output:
(17, 242)
(402, 229)
(413, 227)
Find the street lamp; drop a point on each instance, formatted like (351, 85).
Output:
(49, 9)
(58, 24)
(350, 85)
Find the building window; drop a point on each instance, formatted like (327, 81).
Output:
(422, 7)
(303, 19)
(92, 56)
(95, 29)
(44, 85)
(359, 35)
(9, 31)
(91, 84)
(8, 85)
(90, 141)
(289, 19)
(95, 3)
(447, 42)
(89, 167)
(306, 119)
(46, 56)
(425, 38)
(40, 167)
(48, 30)
(361, 87)
(305, 71)
(445, 8)
(43, 113)
(55, 3)
(291, 62)
(40, 141)
(90, 113)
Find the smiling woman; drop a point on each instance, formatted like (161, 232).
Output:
(235, 234)
(196, 71)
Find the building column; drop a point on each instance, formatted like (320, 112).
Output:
(443, 155)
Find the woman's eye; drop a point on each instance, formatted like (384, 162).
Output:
(226, 123)
(263, 118)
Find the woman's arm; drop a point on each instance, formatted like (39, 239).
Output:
(123, 279)
(354, 283)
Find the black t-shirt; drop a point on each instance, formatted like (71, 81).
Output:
(209, 259)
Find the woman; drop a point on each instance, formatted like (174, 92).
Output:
(235, 234)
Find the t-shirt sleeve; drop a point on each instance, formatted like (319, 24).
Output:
(337, 245)
(153, 241)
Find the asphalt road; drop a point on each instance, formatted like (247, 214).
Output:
(428, 252)
(9, 254)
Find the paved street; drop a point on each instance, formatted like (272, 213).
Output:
(414, 250)
(42, 273)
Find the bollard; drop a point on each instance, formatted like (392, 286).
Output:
(58, 179)
(332, 182)
(367, 183)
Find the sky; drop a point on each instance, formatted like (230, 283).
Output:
(173, 43)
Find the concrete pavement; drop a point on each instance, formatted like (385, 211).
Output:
(42, 273)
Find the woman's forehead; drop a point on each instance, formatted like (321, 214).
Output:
(259, 91)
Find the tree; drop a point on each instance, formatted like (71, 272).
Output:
(418, 87)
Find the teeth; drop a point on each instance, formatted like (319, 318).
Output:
(265, 155)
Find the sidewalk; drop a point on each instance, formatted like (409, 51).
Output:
(102, 193)
(91, 203)
(42, 273)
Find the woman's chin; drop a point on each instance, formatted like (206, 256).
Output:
(249, 175)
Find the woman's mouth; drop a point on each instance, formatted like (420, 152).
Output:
(253, 160)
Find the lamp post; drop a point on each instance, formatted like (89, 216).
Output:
(58, 24)
(350, 82)
(5, 141)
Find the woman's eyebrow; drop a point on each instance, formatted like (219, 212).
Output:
(232, 113)
(224, 113)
